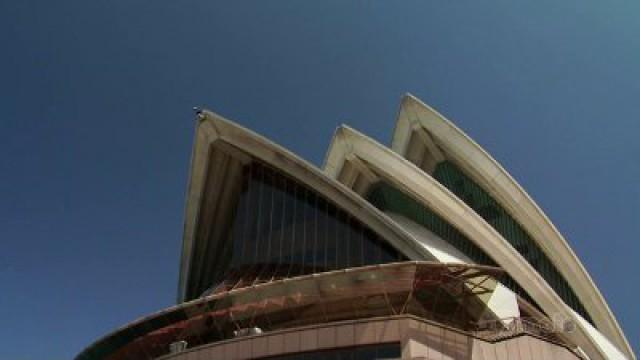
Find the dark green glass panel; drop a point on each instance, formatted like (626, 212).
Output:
(449, 175)
(389, 199)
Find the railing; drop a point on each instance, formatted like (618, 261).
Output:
(449, 294)
(496, 330)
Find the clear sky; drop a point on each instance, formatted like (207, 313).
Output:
(96, 129)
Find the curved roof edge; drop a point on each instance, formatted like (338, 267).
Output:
(213, 130)
(483, 168)
(348, 143)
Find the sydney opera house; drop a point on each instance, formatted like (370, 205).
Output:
(426, 249)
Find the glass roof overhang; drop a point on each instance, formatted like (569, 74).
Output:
(452, 294)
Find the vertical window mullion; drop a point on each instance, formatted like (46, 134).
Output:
(271, 207)
(346, 233)
(245, 199)
(283, 198)
(258, 218)
(305, 225)
(365, 259)
(314, 205)
(246, 244)
(327, 234)
(238, 228)
(294, 227)
(290, 221)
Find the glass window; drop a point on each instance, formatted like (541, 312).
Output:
(388, 198)
(366, 352)
(449, 175)
(281, 223)
(320, 259)
(333, 233)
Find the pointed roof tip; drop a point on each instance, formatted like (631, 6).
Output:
(346, 130)
(206, 114)
(410, 98)
(407, 95)
(338, 133)
(200, 113)
(342, 129)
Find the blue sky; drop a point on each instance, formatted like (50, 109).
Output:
(96, 129)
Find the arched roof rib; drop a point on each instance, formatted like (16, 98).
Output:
(349, 144)
(425, 137)
(221, 147)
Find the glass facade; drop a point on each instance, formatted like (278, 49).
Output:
(366, 352)
(449, 175)
(282, 223)
(387, 198)
(449, 294)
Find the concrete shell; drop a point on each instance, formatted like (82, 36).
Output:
(351, 150)
(214, 133)
(415, 117)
